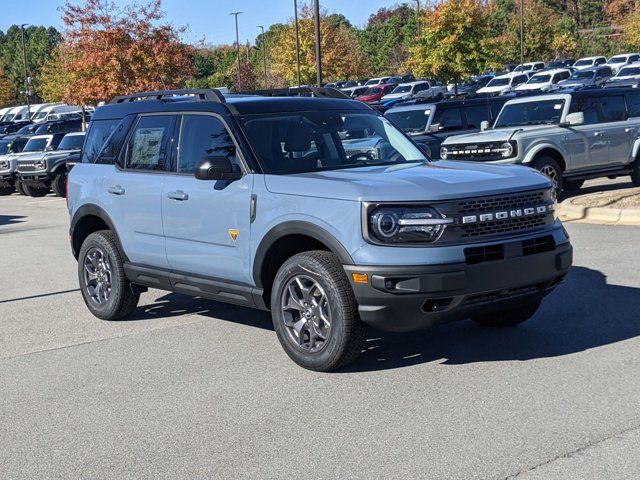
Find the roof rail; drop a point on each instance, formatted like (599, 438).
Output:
(199, 95)
(299, 91)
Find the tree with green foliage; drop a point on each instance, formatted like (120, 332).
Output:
(454, 43)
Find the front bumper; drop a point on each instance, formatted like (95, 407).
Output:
(36, 177)
(409, 298)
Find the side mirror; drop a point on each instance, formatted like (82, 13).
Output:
(484, 125)
(216, 168)
(576, 118)
(435, 127)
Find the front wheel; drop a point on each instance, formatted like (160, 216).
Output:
(35, 191)
(105, 288)
(6, 190)
(635, 173)
(511, 317)
(20, 188)
(315, 314)
(549, 167)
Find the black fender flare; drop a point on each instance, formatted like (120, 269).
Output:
(93, 210)
(296, 227)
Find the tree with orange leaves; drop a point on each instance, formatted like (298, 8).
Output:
(110, 50)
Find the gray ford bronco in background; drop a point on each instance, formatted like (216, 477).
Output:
(41, 171)
(569, 137)
(266, 202)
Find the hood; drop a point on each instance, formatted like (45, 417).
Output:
(493, 135)
(531, 86)
(624, 77)
(575, 83)
(369, 98)
(493, 89)
(432, 181)
(392, 96)
(30, 156)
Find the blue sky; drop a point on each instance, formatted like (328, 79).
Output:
(204, 18)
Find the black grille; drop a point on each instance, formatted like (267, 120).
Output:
(27, 167)
(489, 253)
(519, 200)
(474, 152)
(500, 227)
(504, 294)
(534, 246)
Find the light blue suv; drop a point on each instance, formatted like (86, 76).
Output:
(267, 202)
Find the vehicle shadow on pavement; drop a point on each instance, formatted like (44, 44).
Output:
(583, 313)
(175, 304)
(11, 219)
(567, 194)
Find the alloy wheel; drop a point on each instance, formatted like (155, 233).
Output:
(97, 276)
(306, 313)
(550, 172)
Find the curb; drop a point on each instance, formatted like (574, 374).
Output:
(568, 211)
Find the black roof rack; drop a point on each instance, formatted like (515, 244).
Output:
(199, 95)
(298, 91)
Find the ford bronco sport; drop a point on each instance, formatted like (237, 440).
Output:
(570, 137)
(252, 200)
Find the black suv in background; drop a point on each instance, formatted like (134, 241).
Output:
(429, 124)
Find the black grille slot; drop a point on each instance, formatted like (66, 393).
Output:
(26, 167)
(510, 202)
(488, 253)
(504, 294)
(538, 245)
(499, 227)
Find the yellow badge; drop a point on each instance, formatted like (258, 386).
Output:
(233, 233)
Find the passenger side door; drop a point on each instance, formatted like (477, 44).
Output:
(207, 223)
(133, 190)
(620, 132)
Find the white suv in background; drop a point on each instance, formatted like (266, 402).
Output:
(504, 83)
(545, 81)
(589, 62)
(618, 61)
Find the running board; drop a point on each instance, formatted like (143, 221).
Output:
(599, 174)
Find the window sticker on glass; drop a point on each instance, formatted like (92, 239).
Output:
(146, 146)
(557, 106)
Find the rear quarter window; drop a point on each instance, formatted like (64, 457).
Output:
(99, 132)
(633, 104)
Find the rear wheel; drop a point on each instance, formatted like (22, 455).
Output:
(35, 191)
(315, 313)
(59, 184)
(105, 288)
(511, 317)
(20, 187)
(549, 167)
(6, 190)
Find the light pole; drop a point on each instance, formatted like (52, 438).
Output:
(521, 34)
(316, 14)
(264, 54)
(235, 14)
(295, 28)
(27, 90)
(418, 14)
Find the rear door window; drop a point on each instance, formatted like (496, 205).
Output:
(590, 107)
(448, 118)
(613, 108)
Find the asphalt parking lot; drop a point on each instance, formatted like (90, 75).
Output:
(190, 388)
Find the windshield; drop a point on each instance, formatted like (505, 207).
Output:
(540, 79)
(372, 91)
(530, 113)
(628, 71)
(618, 60)
(499, 82)
(402, 89)
(5, 146)
(290, 143)
(583, 63)
(583, 75)
(411, 121)
(36, 145)
(373, 81)
(10, 117)
(71, 142)
(27, 129)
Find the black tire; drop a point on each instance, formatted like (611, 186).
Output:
(635, 174)
(572, 184)
(511, 317)
(122, 299)
(7, 190)
(35, 191)
(20, 188)
(59, 184)
(548, 166)
(346, 335)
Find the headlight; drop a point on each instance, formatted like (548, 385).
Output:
(444, 152)
(40, 165)
(4, 165)
(406, 224)
(506, 149)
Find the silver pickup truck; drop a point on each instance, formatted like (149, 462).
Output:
(570, 137)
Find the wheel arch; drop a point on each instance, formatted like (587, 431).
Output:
(285, 240)
(546, 150)
(87, 219)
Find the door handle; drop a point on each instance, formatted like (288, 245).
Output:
(116, 190)
(178, 195)
(629, 130)
(598, 134)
